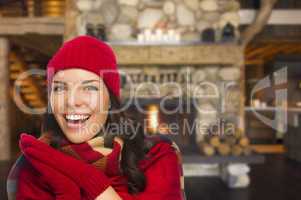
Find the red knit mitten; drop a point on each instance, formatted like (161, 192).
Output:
(89, 178)
(62, 187)
(112, 167)
(113, 171)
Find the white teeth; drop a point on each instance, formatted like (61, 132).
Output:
(77, 117)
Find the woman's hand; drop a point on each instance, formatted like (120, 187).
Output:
(62, 187)
(90, 179)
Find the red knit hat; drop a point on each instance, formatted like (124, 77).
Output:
(88, 53)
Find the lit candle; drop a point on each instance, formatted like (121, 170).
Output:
(159, 34)
(171, 35)
(153, 118)
(147, 35)
(165, 38)
(140, 38)
(178, 37)
(147, 32)
(256, 103)
(153, 38)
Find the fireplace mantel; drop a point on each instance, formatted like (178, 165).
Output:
(132, 55)
(178, 54)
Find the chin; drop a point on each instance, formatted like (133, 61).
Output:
(75, 140)
(78, 137)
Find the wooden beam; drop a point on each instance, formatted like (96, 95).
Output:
(278, 17)
(276, 49)
(24, 25)
(5, 134)
(296, 49)
(178, 54)
(254, 62)
(259, 51)
(71, 15)
(268, 149)
(263, 52)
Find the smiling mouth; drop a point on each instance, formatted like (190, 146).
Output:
(76, 120)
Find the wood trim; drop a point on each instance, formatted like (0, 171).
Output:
(39, 25)
(269, 149)
(226, 54)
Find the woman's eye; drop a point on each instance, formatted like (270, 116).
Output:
(90, 87)
(58, 88)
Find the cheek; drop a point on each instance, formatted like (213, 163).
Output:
(57, 103)
(96, 123)
(98, 102)
(100, 112)
(99, 118)
(92, 101)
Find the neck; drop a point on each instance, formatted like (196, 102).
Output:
(97, 144)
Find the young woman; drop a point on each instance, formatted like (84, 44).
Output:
(89, 149)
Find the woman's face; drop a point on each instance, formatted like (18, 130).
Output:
(80, 101)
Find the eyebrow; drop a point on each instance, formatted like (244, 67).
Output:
(60, 82)
(83, 82)
(89, 81)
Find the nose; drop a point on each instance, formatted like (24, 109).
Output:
(74, 98)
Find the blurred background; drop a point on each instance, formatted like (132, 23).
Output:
(238, 60)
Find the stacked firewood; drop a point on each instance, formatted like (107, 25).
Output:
(224, 139)
(225, 145)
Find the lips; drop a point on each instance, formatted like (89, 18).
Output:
(76, 120)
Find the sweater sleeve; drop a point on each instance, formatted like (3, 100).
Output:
(163, 181)
(31, 187)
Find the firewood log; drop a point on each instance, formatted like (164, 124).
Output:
(247, 151)
(244, 142)
(237, 150)
(230, 140)
(214, 141)
(224, 149)
(207, 149)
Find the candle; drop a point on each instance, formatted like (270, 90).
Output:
(147, 35)
(171, 35)
(159, 34)
(263, 104)
(256, 103)
(147, 32)
(178, 37)
(141, 38)
(165, 38)
(153, 38)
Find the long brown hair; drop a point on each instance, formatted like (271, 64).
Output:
(134, 147)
